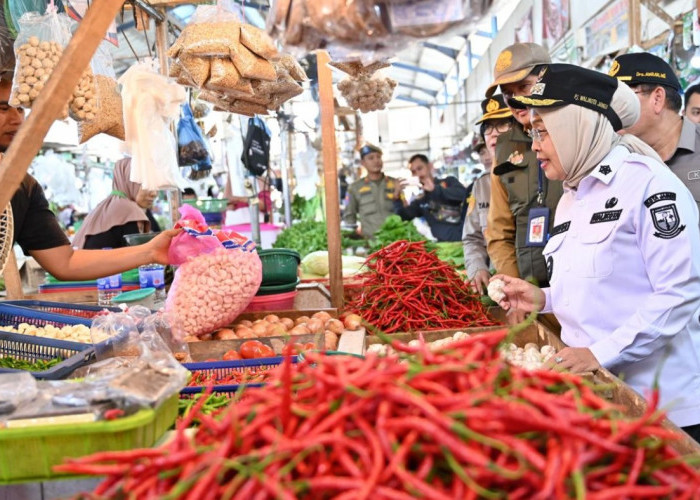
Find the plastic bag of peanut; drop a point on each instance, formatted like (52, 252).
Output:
(38, 48)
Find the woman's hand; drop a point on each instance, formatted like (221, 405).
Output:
(158, 246)
(573, 359)
(520, 295)
(480, 281)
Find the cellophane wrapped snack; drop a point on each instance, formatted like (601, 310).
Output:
(38, 48)
(219, 274)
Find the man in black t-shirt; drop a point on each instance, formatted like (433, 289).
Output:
(37, 231)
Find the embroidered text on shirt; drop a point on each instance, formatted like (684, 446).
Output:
(655, 198)
(609, 216)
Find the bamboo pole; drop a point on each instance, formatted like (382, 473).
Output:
(53, 98)
(330, 176)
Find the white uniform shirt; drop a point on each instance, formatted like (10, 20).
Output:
(624, 265)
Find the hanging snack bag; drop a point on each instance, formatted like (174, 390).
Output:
(251, 65)
(38, 48)
(210, 32)
(106, 114)
(219, 274)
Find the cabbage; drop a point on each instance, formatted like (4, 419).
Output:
(316, 263)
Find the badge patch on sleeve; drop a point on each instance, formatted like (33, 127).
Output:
(663, 196)
(666, 221)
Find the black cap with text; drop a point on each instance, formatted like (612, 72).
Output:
(635, 69)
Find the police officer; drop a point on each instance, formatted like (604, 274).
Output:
(442, 202)
(496, 119)
(624, 255)
(516, 186)
(676, 139)
(372, 196)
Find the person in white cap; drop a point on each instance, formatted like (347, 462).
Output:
(624, 256)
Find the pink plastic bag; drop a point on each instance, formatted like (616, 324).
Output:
(219, 274)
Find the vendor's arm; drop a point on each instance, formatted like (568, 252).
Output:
(76, 265)
(500, 231)
(448, 189)
(672, 266)
(410, 211)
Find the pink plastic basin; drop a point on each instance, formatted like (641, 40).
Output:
(276, 302)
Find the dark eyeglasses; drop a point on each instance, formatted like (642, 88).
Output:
(501, 127)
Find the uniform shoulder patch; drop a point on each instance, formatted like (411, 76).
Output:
(666, 221)
(662, 196)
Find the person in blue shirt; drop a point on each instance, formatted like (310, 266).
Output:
(442, 203)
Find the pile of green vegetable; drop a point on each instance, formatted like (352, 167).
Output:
(395, 229)
(311, 236)
(20, 364)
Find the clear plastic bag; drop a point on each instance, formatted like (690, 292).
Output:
(219, 274)
(210, 32)
(16, 388)
(115, 335)
(192, 148)
(38, 48)
(151, 103)
(106, 114)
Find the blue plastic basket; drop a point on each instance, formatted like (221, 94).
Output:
(55, 307)
(224, 368)
(32, 349)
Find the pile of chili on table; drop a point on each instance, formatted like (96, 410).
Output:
(407, 288)
(455, 423)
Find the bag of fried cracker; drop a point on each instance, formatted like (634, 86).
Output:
(105, 115)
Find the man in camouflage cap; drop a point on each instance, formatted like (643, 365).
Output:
(676, 139)
(371, 197)
(516, 183)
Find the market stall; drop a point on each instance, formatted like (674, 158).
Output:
(399, 381)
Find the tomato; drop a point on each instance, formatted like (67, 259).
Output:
(266, 352)
(250, 349)
(231, 355)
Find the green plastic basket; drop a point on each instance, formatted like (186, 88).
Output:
(208, 205)
(275, 289)
(28, 454)
(279, 266)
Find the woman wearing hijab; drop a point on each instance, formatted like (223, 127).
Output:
(624, 254)
(125, 211)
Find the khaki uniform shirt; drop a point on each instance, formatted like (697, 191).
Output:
(513, 192)
(475, 256)
(685, 162)
(372, 201)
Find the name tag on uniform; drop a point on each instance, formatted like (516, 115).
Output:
(537, 226)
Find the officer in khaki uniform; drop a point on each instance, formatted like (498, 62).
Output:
(517, 185)
(372, 197)
(676, 139)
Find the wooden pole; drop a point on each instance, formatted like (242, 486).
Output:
(330, 176)
(13, 281)
(53, 98)
(635, 23)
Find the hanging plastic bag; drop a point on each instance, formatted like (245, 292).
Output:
(219, 274)
(38, 48)
(151, 103)
(192, 148)
(106, 114)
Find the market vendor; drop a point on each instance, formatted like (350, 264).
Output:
(496, 119)
(127, 210)
(442, 203)
(675, 138)
(371, 197)
(624, 256)
(519, 195)
(39, 234)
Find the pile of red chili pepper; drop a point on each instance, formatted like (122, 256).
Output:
(407, 288)
(224, 376)
(457, 423)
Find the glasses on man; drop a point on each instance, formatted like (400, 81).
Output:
(537, 134)
(501, 127)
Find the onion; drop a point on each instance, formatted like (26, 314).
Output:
(287, 322)
(330, 340)
(315, 325)
(322, 315)
(225, 334)
(352, 322)
(244, 332)
(246, 322)
(276, 330)
(206, 336)
(301, 320)
(335, 325)
(260, 329)
(299, 330)
(272, 318)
